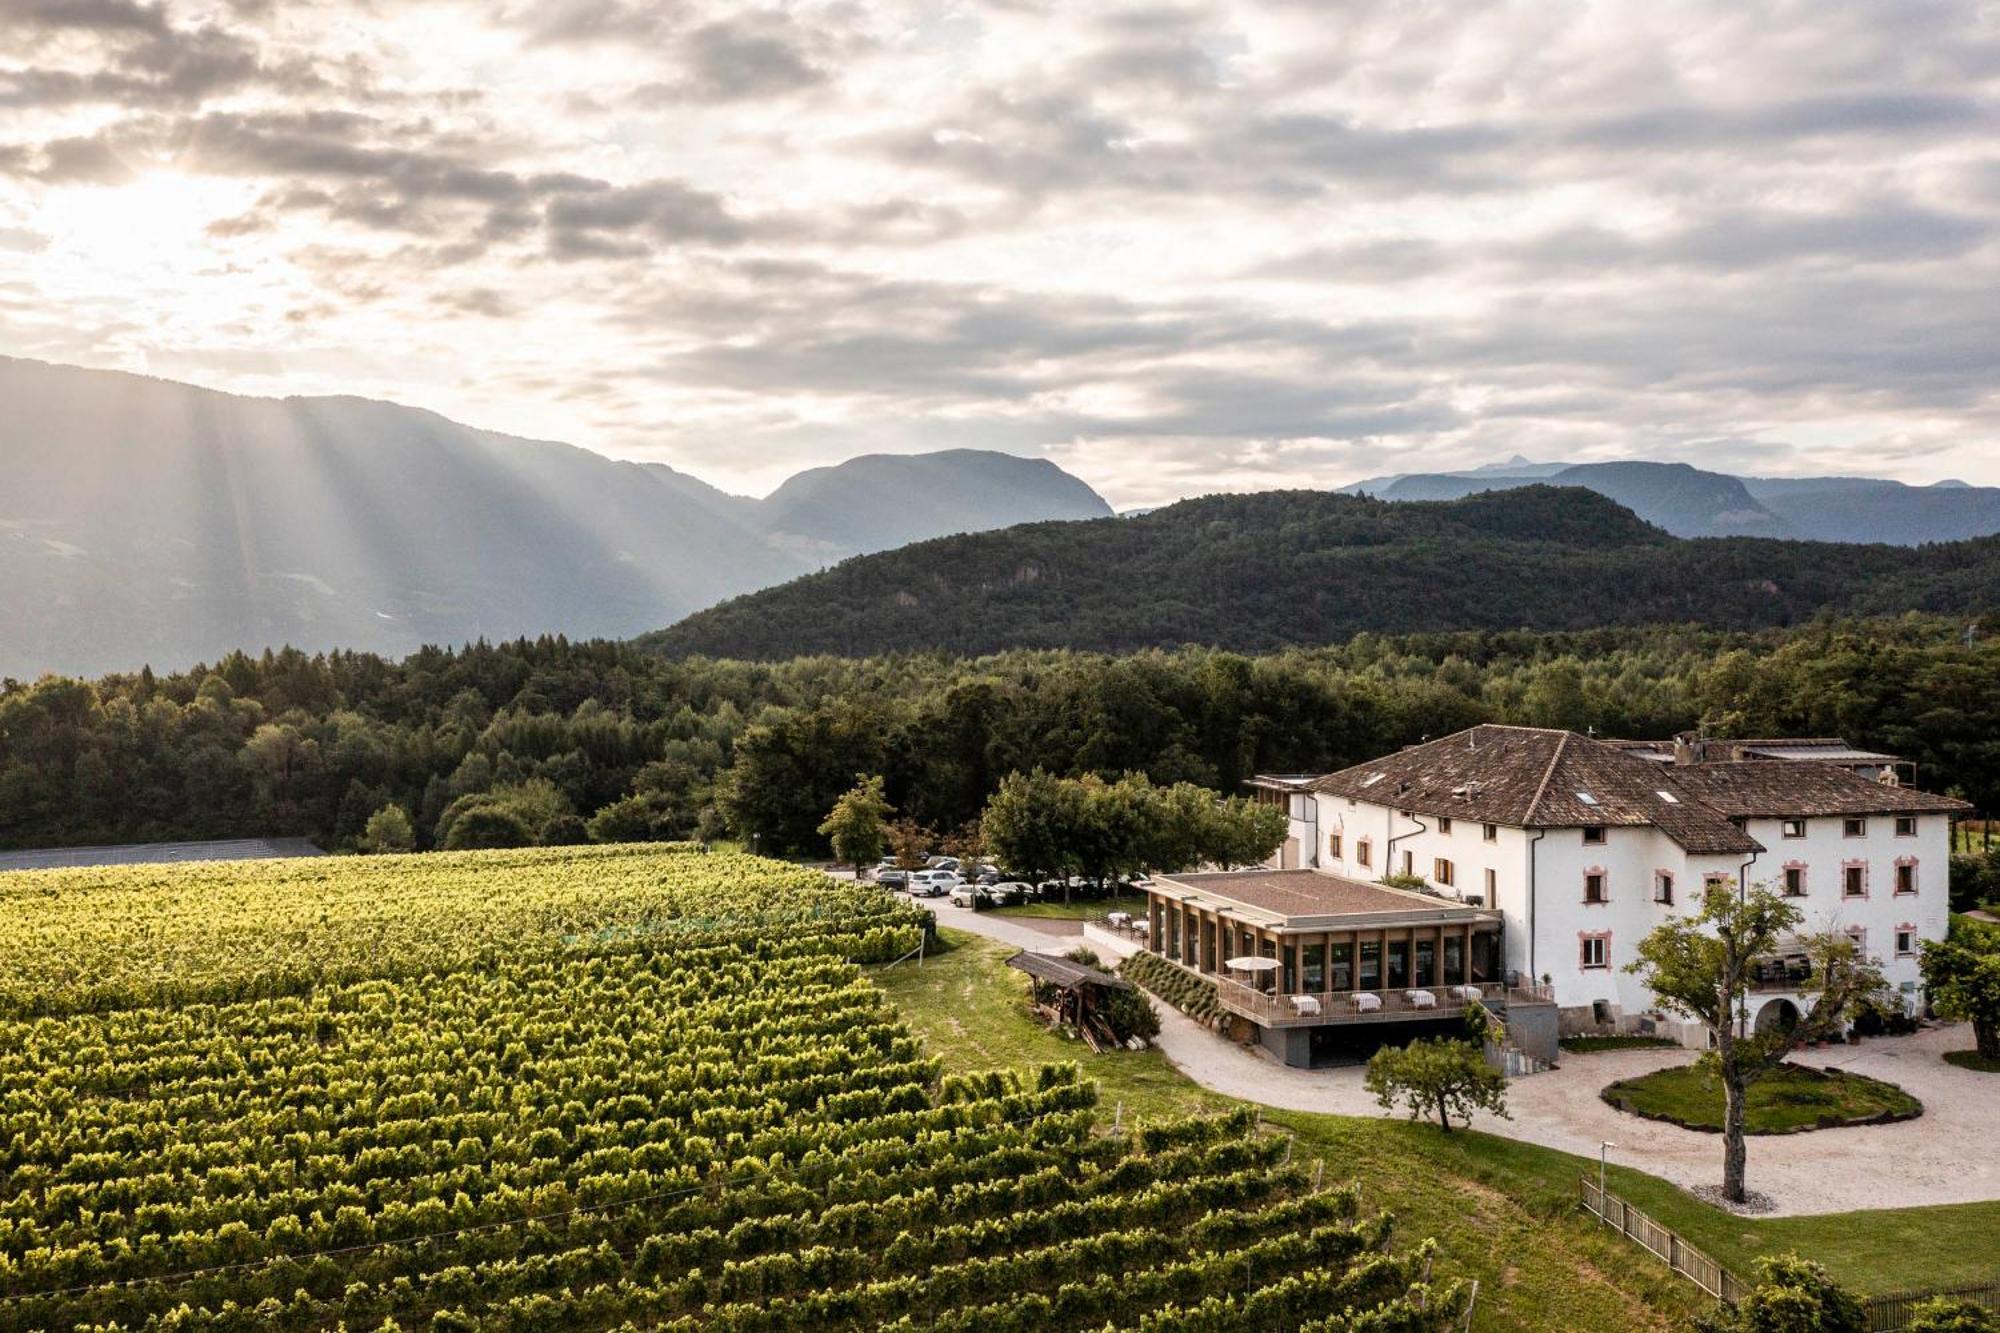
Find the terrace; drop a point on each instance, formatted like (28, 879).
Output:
(1300, 948)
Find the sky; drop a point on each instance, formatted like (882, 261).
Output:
(1176, 248)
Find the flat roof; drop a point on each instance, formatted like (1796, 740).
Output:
(1312, 899)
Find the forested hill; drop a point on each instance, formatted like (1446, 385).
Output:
(1256, 572)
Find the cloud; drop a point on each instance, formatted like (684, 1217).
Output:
(1179, 244)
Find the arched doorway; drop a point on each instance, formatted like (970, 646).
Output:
(1777, 1016)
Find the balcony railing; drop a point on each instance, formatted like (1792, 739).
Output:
(1317, 1008)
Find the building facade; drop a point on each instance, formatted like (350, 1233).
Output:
(1582, 846)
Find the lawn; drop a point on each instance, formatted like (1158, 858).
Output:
(1591, 1045)
(1973, 1060)
(1080, 910)
(1505, 1212)
(1789, 1099)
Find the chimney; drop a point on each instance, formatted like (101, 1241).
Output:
(1688, 748)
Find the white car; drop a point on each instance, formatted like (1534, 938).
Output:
(932, 883)
(969, 895)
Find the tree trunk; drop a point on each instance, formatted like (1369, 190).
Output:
(1986, 1036)
(1444, 1114)
(1735, 1150)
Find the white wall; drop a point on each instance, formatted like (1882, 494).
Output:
(1630, 859)
(1825, 850)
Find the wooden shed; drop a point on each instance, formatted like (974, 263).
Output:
(1072, 993)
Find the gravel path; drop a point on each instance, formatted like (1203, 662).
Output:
(1943, 1156)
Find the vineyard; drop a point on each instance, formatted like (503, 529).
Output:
(607, 1089)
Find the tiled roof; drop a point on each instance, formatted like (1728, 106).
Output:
(1537, 777)
(1800, 790)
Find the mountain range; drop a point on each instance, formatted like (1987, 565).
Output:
(1282, 568)
(146, 521)
(1692, 502)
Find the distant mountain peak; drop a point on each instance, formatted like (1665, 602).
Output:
(151, 522)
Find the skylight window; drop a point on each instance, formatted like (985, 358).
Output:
(1668, 797)
(1586, 798)
(1371, 779)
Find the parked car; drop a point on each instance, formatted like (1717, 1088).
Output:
(989, 875)
(942, 863)
(1008, 892)
(932, 883)
(893, 878)
(970, 895)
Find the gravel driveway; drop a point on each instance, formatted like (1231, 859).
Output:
(1943, 1156)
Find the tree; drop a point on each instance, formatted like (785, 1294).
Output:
(1437, 1076)
(1031, 823)
(1245, 833)
(1962, 978)
(487, 826)
(909, 843)
(1701, 966)
(389, 830)
(277, 755)
(856, 824)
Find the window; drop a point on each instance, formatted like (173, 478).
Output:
(1492, 886)
(1663, 887)
(1854, 880)
(1490, 832)
(1859, 934)
(1442, 872)
(1715, 877)
(1906, 876)
(1596, 951)
(1906, 826)
(1793, 828)
(1593, 887)
(1333, 846)
(1853, 828)
(1363, 853)
(1409, 862)
(1593, 835)
(1795, 880)
(1444, 825)
(1906, 941)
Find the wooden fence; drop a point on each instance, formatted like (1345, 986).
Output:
(1891, 1314)
(1680, 1256)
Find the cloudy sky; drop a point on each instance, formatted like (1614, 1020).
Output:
(1175, 247)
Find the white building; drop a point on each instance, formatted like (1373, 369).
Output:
(1583, 846)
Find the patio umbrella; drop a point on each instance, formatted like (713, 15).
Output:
(1249, 963)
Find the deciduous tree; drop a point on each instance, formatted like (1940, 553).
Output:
(1438, 1077)
(856, 826)
(1702, 965)
(1962, 977)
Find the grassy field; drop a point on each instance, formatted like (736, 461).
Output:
(1505, 1212)
(1094, 910)
(1789, 1098)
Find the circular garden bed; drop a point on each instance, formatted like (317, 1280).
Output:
(1791, 1099)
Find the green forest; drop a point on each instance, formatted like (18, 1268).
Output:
(550, 741)
(1284, 568)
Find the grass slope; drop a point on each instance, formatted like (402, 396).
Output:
(1505, 1212)
(1261, 572)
